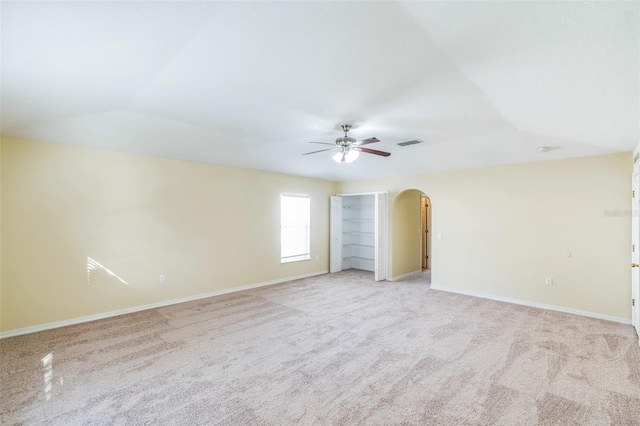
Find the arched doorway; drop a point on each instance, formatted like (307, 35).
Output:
(411, 236)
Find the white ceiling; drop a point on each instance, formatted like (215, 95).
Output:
(248, 84)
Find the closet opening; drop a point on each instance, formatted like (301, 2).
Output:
(359, 233)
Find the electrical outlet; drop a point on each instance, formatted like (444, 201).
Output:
(548, 281)
(161, 278)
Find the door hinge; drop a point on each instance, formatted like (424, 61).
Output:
(633, 248)
(633, 302)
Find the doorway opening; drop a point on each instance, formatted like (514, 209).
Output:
(358, 229)
(425, 220)
(635, 251)
(411, 234)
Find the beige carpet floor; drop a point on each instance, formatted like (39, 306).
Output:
(334, 349)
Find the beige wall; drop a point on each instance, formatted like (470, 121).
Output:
(405, 233)
(204, 227)
(209, 228)
(507, 228)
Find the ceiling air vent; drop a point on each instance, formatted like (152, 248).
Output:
(411, 142)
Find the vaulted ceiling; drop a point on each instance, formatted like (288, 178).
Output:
(248, 84)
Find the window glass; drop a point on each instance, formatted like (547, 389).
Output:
(295, 227)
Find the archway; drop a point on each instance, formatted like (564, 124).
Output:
(410, 235)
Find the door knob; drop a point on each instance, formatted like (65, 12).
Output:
(634, 265)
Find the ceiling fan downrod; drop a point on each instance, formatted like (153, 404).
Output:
(345, 140)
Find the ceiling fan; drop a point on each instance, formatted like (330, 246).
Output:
(349, 148)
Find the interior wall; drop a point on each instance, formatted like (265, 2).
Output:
(406, 236)
(505, 229)
(87, 231)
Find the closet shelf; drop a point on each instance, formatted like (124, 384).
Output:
(357, 220)
(359, 207)
(358, 233)
(359, 245)
(358, 257)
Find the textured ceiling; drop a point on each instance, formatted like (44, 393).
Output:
(248, 84)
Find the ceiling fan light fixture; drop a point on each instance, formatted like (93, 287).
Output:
(349, 148)
(346, 156)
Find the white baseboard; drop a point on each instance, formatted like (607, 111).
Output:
(533, 304)
(403, 276)
(79, 320)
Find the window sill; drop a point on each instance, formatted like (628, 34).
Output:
(295, 259)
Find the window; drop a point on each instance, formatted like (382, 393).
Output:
(295, 227)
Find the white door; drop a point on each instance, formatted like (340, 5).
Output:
(335, 235)
(380, 269)
(635, 251)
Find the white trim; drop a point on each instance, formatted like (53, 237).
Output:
(295, 195)
(79, 320)
(362, 193)
(296, 258)
(410, 274)
(533, 304)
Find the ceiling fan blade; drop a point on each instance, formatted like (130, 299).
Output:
(367, 141)
(372, 151)
(324, 143)
(322, 150)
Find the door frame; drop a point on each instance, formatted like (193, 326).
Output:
(385, 223)
(635, 243)
(425, 243)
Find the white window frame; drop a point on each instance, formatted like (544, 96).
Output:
(306, 255)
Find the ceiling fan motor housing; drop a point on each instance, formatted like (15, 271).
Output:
(345, 140)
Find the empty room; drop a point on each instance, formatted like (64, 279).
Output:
(319, 213)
